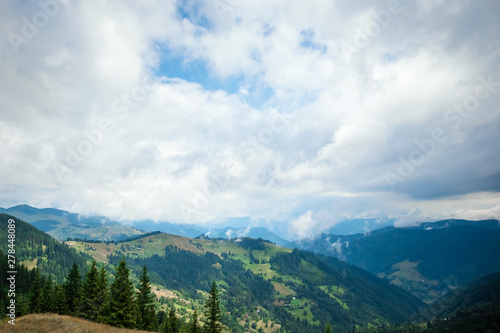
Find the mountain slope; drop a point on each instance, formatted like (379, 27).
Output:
(355, 226)
(484, 224)
(474, 307)
(36, 248)
(255, 232)
(61, 224)
(483, 292)
(427, 262)
(170, 228)
(262, 283)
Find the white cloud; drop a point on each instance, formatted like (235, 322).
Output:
(182, 150)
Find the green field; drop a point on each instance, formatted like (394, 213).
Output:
(301, 308)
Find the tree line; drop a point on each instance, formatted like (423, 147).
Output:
(119, 303)
(49, 255)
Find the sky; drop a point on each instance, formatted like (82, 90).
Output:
(296, 114)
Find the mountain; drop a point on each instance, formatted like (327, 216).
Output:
(186, 230)
(484, 224)
(61, 224)
(256, 232)
(428, 260)
(355, 226)
(474, 307)
(36, 248)
(261, 283)
(483, 292)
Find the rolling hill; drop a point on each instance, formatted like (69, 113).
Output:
(262, 284)
(61, 224)
(428, 260)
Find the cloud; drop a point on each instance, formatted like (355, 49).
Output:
(188, 112)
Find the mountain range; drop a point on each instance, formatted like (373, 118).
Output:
(63, 225)
(262, 285)
(428, 260)
(254, 232)
(385, 277)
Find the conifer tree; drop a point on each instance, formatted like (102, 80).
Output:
(58, 300)
(328, 329)
(22, 304)
(171, 324)
(46, 295)
(89, 306)
(102, 297)
(36, 294)
(213, 312)
(194, 327)
(72, 289)
(123, 306)
(145, 302)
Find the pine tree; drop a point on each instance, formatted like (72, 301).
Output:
(171, 324)
(145, 302)
(102, 297)
(123, 307)
(328, 329)
(72, 289)
(89, 307)
(194, 327)
(47, 295)
(58, 300)
(213, 312)
(36, 294)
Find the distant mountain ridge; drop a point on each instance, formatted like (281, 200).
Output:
(62, 224)
(356, 226)
(427, 260)
(186, 230)
(254, 232)
(484, 224)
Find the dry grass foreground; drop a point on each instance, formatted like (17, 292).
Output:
(53, 323)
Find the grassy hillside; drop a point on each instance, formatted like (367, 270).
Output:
(262, 285)
(52, 323)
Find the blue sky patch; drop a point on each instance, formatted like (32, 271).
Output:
(194, 12)
(307, 41)
(174, 65)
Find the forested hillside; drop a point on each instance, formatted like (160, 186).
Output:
(262, 285)
(62, 224)
(427, 261)
(36, 248)
(471, 308)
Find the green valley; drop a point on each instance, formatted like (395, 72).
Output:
(261, 282)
